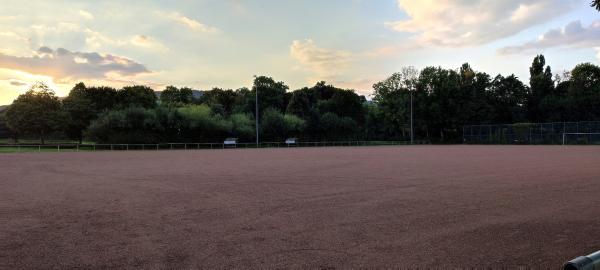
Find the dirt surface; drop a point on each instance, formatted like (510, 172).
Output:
(422, 206)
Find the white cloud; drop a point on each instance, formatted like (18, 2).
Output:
(457, 23)
(324, 63)
(147, 42)
(86, 15)
(62, 64)
(188, 22)
(573, 35)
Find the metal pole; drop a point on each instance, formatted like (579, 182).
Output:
(256, 117)
(412, 134)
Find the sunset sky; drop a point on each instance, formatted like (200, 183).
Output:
(349, 43)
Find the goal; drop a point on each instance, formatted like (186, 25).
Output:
(581, 138)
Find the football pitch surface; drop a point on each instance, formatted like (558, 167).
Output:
(340, 207)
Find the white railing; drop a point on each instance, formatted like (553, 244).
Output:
(11, 148)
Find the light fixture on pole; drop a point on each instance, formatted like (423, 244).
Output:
(412, 134)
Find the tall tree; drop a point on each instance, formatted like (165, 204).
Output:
(596, 4)
(541, 84)
(79, 111)
(37, 112)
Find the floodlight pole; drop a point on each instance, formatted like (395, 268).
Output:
(256, 117)
(412, 134)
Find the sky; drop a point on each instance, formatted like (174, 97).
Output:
(224, 43)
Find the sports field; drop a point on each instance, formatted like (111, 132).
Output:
(405, 206)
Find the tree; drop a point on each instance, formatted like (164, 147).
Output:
(130, 125)
(83, 105)
(584, 90)
(270, 94)
(37, 112)
(272, 126)
(276, 126)
(596, 4)
(201, 124)
(294, 125)
(242, 126)
(221, 101)
(79, 111)
(541, 84)
(300, 103)
(508, 99)
(136, 96)
(392, 96)
(176, 96)
(334, 127)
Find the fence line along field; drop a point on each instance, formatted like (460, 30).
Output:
(403, 206)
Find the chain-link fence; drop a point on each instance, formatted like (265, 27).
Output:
(534, 133)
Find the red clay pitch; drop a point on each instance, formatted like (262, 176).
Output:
(422, 206)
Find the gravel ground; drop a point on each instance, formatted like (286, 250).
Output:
(401, 207)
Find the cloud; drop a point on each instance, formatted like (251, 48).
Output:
(147, 42)
(573, 35)
(459, 23)
(17, 83)
(325, 63)
(63, 64)
(86, 15)
(188, 22)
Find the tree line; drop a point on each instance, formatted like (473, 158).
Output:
(443, 100)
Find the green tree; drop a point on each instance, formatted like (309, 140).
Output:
(294, 125)
(336, 128)
(83, 105)
(242, 126)
(201, 124)
(300, 103)
(129, 125)
(38, 112)
(221, 101)
(136, 96)
(584, 91)
(272, 126)
(541, 84)
(392, 97)
(270, 94)
(176, 96)
(508, 99)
